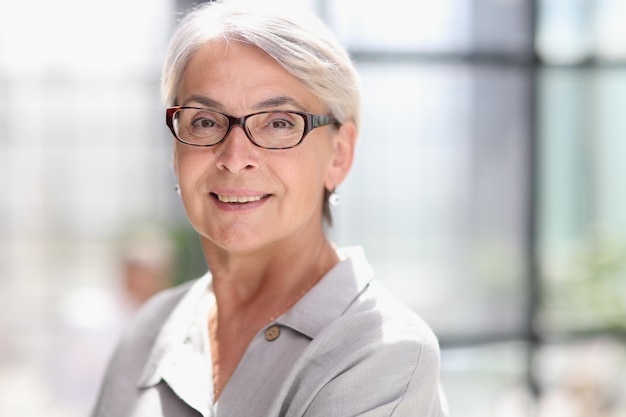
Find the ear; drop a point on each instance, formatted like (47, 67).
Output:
(344, 142)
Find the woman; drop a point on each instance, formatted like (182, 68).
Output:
(264, 108)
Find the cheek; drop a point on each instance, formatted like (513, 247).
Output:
(306, 175)
(189, 163)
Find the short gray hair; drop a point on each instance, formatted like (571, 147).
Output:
(297, 40)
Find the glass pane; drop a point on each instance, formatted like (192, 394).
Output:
(84, 154)
(487, 380)
(502, 27)
(425, 26)
(437, 194)
(583, 378)
(74, 38)
(571, 31)
(583, 221)
(440, 27)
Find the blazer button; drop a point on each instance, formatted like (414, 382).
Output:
(272, 333)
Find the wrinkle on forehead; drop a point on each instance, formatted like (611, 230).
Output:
(270, 103)
(240, 77)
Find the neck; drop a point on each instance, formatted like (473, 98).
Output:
(266, 283)
(253, 289)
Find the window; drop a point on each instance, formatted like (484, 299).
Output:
(489, 174)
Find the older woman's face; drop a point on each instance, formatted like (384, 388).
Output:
(278, 192)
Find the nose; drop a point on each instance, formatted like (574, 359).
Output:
(236, 153)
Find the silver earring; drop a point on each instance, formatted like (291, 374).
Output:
(177, 188)
(333, 198)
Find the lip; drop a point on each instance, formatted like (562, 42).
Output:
(238, 200)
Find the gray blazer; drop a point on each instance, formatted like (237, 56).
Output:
(347, 348)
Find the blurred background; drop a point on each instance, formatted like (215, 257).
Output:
(488, 191)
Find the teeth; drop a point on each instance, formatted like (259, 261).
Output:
(238, 198)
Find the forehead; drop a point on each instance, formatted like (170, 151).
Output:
(239, 76)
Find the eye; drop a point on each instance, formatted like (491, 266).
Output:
(203, 123)
(200, 123)
(280, 124)
(279, 121)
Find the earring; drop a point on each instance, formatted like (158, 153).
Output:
(333, 198)
(177, 188)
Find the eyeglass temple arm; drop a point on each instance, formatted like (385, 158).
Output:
(318, 120)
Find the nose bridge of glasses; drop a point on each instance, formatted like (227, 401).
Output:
(240, 122)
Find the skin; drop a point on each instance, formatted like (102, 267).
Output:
(264, 255)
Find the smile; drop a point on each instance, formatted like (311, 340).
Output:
(239, 198)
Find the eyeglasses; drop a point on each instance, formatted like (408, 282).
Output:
(268, 129)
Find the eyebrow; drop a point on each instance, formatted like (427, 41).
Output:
(205, 101)
(277, 102)
(265, 104)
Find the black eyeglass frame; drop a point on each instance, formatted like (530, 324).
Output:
(311, 121)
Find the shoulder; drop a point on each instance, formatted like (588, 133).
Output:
(378, 329)
(141, 333)
(385, 320)
(143, 329)
(131, 355)
(156, 310)
(378, 355)
(374, 324)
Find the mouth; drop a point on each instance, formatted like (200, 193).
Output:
(240, 199)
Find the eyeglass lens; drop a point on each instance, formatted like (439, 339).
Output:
(268, 130)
